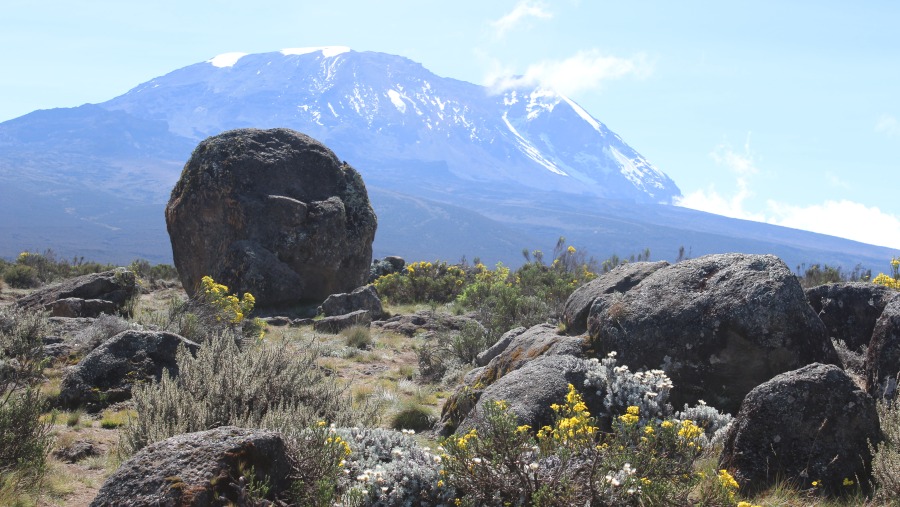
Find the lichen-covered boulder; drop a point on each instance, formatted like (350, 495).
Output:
(883, 355)
(810, 424)
(514, 351)
(527, 392)
(337, 323)
(85, 296)
(719, 326)
(108, 373)
(198, 469)
(362, 298)
(850, 309)
(425, 321)
(620, 279)
(271, 212)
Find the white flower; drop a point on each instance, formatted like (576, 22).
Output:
(476, 460)
(437, 459)
(384, 489)
(533, 466)
(615, 482)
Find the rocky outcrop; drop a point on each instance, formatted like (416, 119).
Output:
(718, 325)
(811, 424)
(850, 310)
(498, 347)
(388, 265)
(515, 351)
(528, 393)
(109, 372)
(271, 212)
(425, 321)
(883, 356)
(363, 298)
(338, 323)
(85, 296)
(620, 279)
(198, 469)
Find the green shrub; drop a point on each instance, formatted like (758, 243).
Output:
(359, 337)
(47, 267)
(422, 282)
(153, 272)
(412, 417)
(468, 342)
(24, 438)
(21, 277)
(265, 386)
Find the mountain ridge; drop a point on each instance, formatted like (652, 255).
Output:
(454, 168)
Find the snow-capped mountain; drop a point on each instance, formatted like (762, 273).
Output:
(452, 168)
(377, 110)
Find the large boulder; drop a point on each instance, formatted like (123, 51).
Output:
(197, 469)
(85, 296)
(620, 279)
(109, 372)
(850, 309)
(528, 392)
(363, 298)
(337, 323)
(426, 321)
(514, 351)
(811, 424)
(883, 356)
(271, 212)
(718, 325)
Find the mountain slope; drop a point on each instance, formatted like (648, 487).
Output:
(452, 168)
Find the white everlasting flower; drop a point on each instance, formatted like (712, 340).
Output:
(533, 466)
(476, 460)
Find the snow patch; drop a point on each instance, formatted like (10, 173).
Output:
(530, 151)
(397, 100)
(226, 59)
(327, 51)
(584, 115)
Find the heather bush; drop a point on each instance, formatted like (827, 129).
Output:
(571, 462)
(24, 438)
(46, 267)
(101, 329)
(211, 313)
(387, 468)
(21, 277)
(886, 455)
(153, 272)
(412, 417)
(264, 386)
(422, 282)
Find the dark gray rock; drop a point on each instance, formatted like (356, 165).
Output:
(338, 323)
(811, 424)
(718, 325)
(85, 296)
(388, 265)
(620, 279)
(76, 451)
(278, 321)
(362, 298)
(883, 356)
(107, 374)
(271, 212)
(494, 350)
(523, 348)
(427, 321)
(200, 469)
(850, 310)
(528, 392)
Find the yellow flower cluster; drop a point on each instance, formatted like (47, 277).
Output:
(892, 280)
(230, 307)
(574, 423)
(463, 441)
(728, 483)
(632, 415)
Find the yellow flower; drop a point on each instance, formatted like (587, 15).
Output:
(633, 410)
(848, 482)
(648, 430)
(815, 484)
(571, 249)
(523, 428)
(666, 424)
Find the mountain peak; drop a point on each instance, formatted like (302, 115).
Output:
(327, 51)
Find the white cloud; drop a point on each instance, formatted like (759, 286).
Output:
(711, 201)
(841, 218)
(524, 9)
(888, 125)
(845, 219)
(584, 71)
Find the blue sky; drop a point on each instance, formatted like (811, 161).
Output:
(785, 112)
